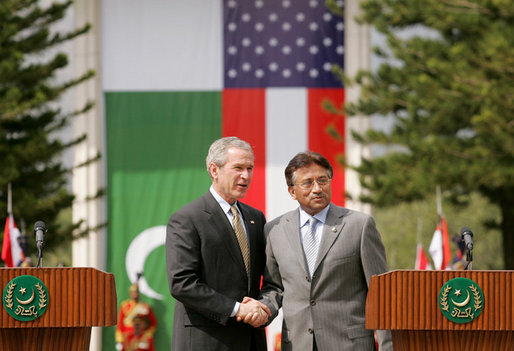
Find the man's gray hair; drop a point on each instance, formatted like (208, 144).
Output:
(218, 150)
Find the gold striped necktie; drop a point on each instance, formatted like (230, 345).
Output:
(241, 237)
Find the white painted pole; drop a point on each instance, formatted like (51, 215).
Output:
(357, 57)
(9, 199)
(90, 250)
(438, 200)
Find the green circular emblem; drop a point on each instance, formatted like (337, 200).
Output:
(461, 300)
(25, 298)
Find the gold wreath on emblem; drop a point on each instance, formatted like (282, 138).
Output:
(8, 296)
(444, 299)
(42, 296)
(476, 298)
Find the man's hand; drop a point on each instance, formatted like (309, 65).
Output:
(253, 312)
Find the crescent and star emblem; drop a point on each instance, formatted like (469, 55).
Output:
(137, 253)
(469, 296)
(25, 298)
(463, 303)
(29, 300)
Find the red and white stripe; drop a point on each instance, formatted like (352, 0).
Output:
(421, 259)
(279, 123)
(440, 246)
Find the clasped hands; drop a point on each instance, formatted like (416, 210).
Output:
(253, 312)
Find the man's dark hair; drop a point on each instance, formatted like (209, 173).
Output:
(303, 159)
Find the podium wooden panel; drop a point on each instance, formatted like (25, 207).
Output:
(79, 298)
(406, 302)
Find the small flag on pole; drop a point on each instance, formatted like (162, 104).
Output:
(422, 259)
(440, 246)
(11, 251)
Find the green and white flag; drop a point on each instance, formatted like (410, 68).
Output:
(152, 172)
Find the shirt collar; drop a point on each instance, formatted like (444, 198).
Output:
(225, 206)
(320, 216)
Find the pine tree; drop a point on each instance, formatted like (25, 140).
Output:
(450, 89)
(30, 153)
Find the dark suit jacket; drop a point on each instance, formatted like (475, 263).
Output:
(206, 274)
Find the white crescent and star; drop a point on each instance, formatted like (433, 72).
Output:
(463, 303)
(137, 253)
(29, 300)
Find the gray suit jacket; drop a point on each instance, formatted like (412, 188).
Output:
(331, 306)
(207, 276)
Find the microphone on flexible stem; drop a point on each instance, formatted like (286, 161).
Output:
(467, 236)
(39, 231)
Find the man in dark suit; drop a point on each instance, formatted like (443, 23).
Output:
(215, 258)
(320, 258)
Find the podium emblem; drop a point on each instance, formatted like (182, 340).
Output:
(461, 300)
(25, 298)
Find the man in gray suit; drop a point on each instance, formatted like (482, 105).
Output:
(320, 259)
(215, 258)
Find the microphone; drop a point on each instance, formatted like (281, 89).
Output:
(39, 230)
(467, 236)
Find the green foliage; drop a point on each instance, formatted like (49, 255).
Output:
(29, 116)
(398, 225)
(450, 90)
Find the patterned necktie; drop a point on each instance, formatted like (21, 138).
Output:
(310, 246)
(241, 238)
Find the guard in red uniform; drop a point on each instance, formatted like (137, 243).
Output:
(136, 324)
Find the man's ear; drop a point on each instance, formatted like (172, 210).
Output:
(213, 171)
(290, 189)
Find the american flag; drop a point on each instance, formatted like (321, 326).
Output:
(277, 71)
(281, 44)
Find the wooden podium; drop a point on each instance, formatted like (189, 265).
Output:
(407, 303)
(78, 299)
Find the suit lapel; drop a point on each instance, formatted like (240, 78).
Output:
(291, 230)
(331, 230)
(223, 228)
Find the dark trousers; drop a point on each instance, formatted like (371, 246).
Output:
(253, 343)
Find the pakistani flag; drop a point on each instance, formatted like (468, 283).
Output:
(178, 75)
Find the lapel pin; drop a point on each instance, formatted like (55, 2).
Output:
(252, 222)
(334, 229)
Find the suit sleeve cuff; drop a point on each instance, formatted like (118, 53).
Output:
(236, 308)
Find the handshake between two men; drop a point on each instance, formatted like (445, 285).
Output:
(253, 312)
